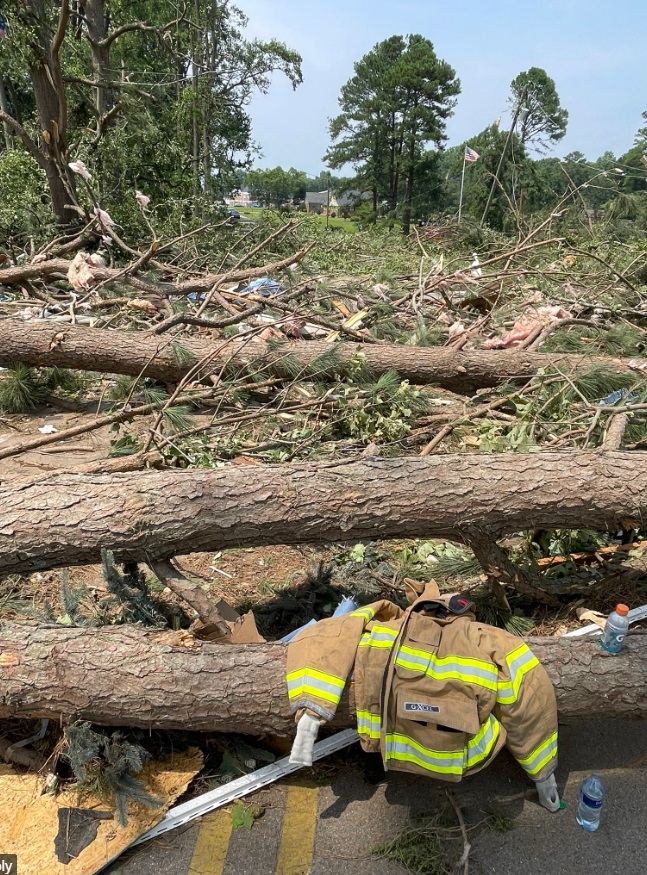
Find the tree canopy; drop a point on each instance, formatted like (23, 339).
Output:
(393, 107)
(542, 119)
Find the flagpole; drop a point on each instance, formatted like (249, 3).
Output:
(460, 202)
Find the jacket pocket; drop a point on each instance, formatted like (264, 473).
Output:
(423, 630)
(431, 732)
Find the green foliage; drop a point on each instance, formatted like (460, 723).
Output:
(184, 357)
(418, 848)
(72, 599)
(105, 763)
(23, 187)
(542, 119)
(242, 816)
(126, 445)
(128, 592)
(21, 389)
(382, 411)
(394, 105)
(500, 823)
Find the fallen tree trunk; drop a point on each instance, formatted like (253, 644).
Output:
(121, 352)
(123, 675)
(65, 519)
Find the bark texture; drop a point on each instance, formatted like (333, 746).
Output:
(127, 676)
(65, 519)
(122, 352)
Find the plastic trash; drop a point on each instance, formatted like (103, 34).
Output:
(615, 630)
(590, 807)
(618, 395)
(263, 286)
(345, 606)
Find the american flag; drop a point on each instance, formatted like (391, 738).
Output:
(471, 156)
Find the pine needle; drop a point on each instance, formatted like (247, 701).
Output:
(183, 356)
(22, 389)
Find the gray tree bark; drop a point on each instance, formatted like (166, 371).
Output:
(122, 352)
(65, 519)
(126, 676)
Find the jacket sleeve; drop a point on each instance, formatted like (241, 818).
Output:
(525, 706)
(321, 659)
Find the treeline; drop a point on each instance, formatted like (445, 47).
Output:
(154, 97)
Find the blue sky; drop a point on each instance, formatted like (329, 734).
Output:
(595, 52)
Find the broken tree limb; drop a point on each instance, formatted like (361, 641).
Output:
(128, 676)
(45, 344)
(65, 519)
(57, 268)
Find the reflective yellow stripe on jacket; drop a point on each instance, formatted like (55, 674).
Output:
(465, 669)
(520, 662)
(541, 756)
(369, 724)
(366, 613)
(309, 682)
(401, 747)
(379, 636)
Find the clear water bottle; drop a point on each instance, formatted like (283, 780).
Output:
(590, 807)
(615, 630)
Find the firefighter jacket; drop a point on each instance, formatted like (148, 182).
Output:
(435, 691)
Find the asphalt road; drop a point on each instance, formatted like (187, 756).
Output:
(315, 826)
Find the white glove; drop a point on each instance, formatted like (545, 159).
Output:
(548, 794)
(307, 731)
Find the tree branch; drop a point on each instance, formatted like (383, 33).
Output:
(27, 141)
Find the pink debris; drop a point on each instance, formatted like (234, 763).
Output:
(526, 325)
(79, 168)
(80, 275)
(456, 330)
(103, 217)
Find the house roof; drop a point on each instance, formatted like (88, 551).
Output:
(347, 199)
(317, 197)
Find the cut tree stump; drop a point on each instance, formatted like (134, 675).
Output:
(65, 519)
(127, 676)
(123, 352)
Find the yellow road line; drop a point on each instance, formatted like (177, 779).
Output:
(299, 828)
(210, 851)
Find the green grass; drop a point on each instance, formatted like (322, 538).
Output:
(346, 225)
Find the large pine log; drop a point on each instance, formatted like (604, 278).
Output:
(131, 677)
(123, 352)
(65, 519)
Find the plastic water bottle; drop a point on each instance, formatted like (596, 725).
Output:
(590, 807)
(615, 630)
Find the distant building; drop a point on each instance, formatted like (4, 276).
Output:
(239, 199)
(339, 205)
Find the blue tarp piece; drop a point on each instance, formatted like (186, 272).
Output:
(263, 286)
(616, 396)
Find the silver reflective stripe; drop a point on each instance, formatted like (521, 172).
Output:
(399, 747)
(545, 752)
(443, 668)
(508, 691)
(369, 723)
(483, 742)
(378, 638)
(364, 613)
(311, 683)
